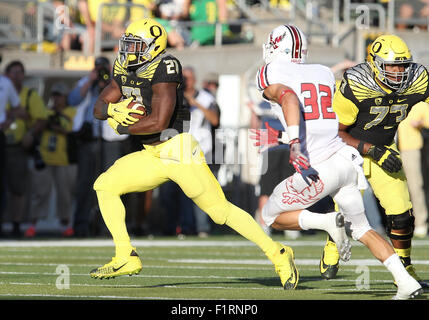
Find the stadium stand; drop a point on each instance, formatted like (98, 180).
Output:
(55, 42)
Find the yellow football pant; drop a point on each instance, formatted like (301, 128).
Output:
(181, 160)
(391, 190)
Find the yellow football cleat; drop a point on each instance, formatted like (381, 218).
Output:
(329, 263)
(413, 273)
(284, 264)
(119, 266)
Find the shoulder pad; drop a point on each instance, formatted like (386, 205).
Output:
(118, 69)
(418, 83)
(149, 70)
(360, 79)
(165, 69)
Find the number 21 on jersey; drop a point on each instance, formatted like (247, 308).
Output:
(317, 101)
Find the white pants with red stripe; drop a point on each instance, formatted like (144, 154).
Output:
(340, 176)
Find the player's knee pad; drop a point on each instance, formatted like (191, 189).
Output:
(404, 222)
(218, 212)
(358, 225)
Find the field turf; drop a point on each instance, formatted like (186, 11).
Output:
(219, 267)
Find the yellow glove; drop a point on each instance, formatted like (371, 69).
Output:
(121, 114)
(113, 124)
(386, 157)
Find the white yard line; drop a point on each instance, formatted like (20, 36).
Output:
(167, 243)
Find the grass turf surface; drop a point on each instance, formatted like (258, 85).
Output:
(220, 267)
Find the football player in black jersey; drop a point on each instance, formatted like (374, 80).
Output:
(373, 98)
(144, 72)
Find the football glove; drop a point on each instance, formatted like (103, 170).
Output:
(265, 138)
(310, 175)
(113, 124)
(386, 157)
(297, 158)
(119, 128)
(121, 113)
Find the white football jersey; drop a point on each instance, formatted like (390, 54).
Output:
(314, 84)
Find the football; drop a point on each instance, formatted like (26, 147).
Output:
(135, 105)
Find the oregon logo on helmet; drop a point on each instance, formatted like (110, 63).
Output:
(390, 60)
(141, 42)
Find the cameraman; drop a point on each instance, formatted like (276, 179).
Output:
(58, 172)
(87, 132)
(22, 137)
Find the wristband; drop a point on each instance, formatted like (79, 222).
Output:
(360, 147)
(293, 132)
(122, 129)
(104, 110)
(283, 137)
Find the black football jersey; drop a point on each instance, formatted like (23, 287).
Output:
(138, 84)
(377, 112)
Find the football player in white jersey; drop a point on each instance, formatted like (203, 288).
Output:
(301, 96)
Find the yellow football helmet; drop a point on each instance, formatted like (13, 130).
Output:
(391, 51)
(142, 41)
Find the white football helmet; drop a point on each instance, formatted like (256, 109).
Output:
(286, 40)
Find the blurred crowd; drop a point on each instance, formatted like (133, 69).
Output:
(72, 24)
(54, 150)
(408, 14)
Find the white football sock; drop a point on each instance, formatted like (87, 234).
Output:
(312, 220)
(396, 268)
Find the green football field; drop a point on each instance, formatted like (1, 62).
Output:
(219, 267)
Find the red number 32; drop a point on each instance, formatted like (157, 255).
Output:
(312, 100)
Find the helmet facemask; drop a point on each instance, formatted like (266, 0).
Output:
(134, 51)
(395, 80)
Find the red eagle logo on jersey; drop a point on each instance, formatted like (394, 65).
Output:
(307, 196)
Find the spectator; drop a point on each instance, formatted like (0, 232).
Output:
(425, 164)
(111, 23)
(22, 138)
(7, 94)
(205, 118)
(58, 173)
(168, 13)
(210, 11)
(412, 10)
(410, 145)
(86, 132)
